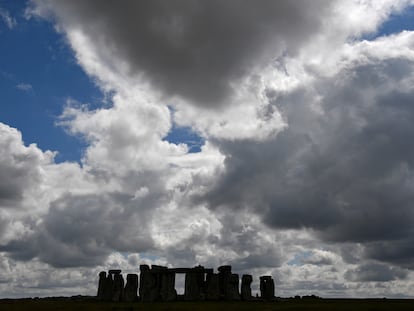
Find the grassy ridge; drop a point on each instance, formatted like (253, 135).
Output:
(291, 305)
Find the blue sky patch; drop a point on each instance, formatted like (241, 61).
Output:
(38, 73)
(395, 24)
(298, 258)
(186, 136)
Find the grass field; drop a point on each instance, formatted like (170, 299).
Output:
(291, 305)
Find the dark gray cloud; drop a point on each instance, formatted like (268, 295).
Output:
(240, 238)
(193, 49)
(399, 251)
(346, 173)
(82, 230)
(15, 179)
(375, 272)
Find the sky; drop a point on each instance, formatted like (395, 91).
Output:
(274, 137)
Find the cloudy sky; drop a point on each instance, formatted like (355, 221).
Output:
(274, 136)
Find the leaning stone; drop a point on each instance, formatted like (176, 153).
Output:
(131, 288)
(246, 291)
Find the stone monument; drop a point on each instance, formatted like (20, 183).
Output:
(246, 291)
(267, 287)
(131, 288)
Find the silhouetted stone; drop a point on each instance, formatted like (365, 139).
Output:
(101, 285)
(246, 291)
(233, 288)
(224, 278)
(157, 284)
(131, 288)
(212, 286)
(267, 287)
(185, 270)
(118, 287)
(195, 284)
(147, 291)
(158, 273)
(168, 292)
(144, 269)
(224, 269)
(108, 288)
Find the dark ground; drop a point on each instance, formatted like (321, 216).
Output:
(64, 304)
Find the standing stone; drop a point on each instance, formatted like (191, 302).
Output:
(108, 288)
(212, 287)
(158, 272)
(233, 288)
(118, 287)
(101, 285)
(131, 288)
(147, 290)
(224, 278)
(144, 270)
(246, 291)
(194, 284)
(168, 292)
(191, 287)
(267, 287)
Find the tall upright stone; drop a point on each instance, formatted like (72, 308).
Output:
(212, 286)
(267, 287)
(161, 292)
(224, 278)
(148, 291)
(167, 291)
(246, 291)
(118, 287)
(194, 288)
(144, 270)
(108, 288)
(233, 288)
(101, 285)
(131, 288)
